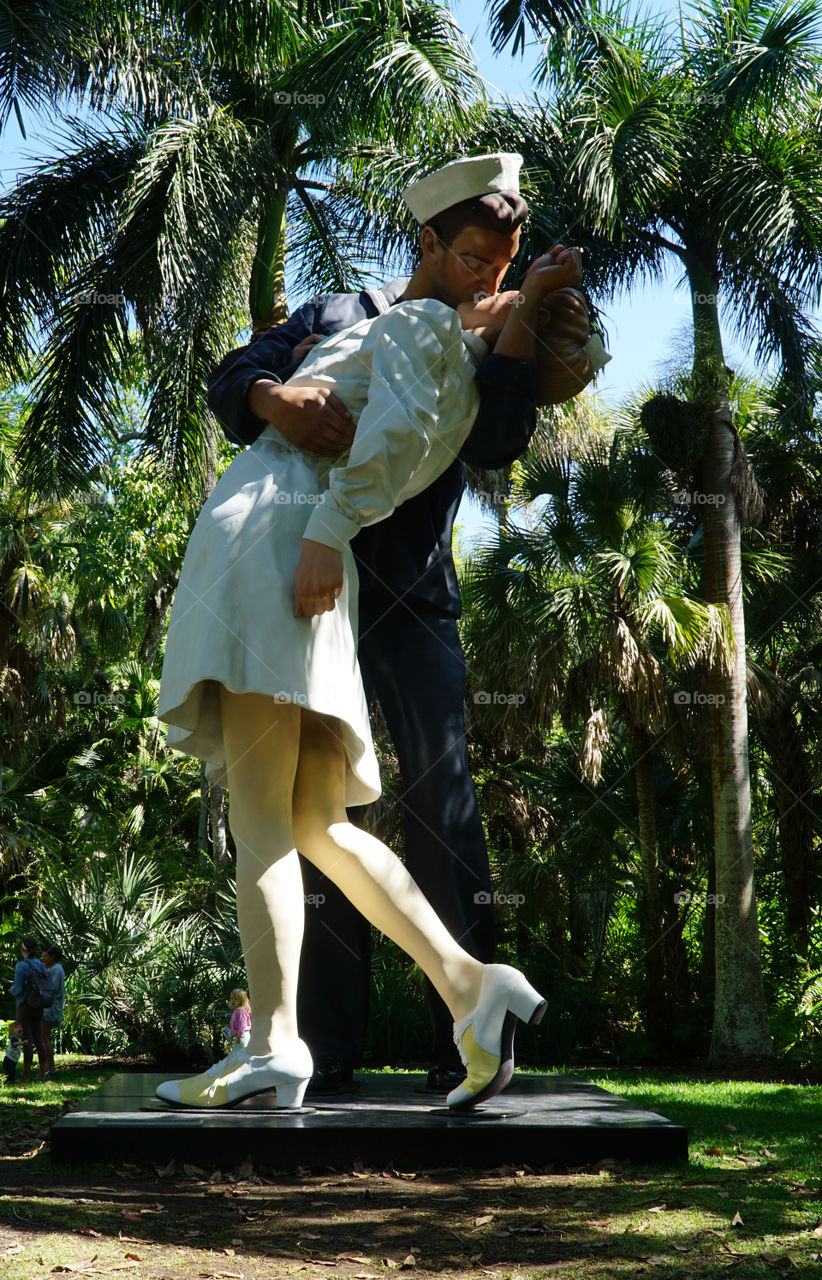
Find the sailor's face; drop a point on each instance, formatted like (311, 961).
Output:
(473, 264)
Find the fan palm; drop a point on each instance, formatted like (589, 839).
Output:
(702, 151)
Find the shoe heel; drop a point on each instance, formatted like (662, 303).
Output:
(526, 1002)
(290, 1093)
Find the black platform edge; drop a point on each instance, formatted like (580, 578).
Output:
(539, 1120)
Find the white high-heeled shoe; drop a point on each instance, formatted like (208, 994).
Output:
(485, 1036)
(240, 1075)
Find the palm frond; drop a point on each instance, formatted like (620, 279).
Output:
(627, 153)
(411, 56)
(772, 316)
(754, 53)
(37, 41)
(768, 192)
(52, 222)
(75, 402)
(510, 21)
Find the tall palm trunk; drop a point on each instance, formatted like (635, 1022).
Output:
(266, 296)
(651, 907)
(741, 1035)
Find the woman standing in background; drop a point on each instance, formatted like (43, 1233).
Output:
(53, 1013)
(29, 1016)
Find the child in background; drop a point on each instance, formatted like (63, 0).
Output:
(239, 1028)
(14, 1048)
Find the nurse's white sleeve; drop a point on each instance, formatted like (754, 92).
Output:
(396, 426)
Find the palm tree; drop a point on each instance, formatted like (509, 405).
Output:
(582, 610)
(168, 207)
(702, 151)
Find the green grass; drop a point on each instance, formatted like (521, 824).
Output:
(38, 1102)
(737, 1117)
(749, 1199)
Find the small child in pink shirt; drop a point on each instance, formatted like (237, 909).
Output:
(239, 1027)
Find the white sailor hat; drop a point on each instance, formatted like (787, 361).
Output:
(462, 180)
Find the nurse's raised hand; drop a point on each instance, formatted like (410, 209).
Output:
(318, 579)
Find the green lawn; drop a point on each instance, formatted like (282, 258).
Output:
(749, 1200)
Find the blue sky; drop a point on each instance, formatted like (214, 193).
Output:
(642, 329)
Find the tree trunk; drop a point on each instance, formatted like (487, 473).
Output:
(677, 972)
(203, 843)
(709, 933)
(266, 298)
(156, 609)
(741, 1035)
(219, 843)
(650, 912)
(792, 783)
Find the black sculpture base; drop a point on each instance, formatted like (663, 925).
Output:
(538, 1120)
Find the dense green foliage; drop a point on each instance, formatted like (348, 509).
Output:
(127, 262)
(100, 822)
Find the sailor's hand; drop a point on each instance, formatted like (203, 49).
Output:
(312, 418)
(318, 579)
(563, 320)
(564, 365)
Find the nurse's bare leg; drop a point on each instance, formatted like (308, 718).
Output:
(367, 872)
(261, 738)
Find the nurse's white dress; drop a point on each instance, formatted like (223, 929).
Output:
(408, 377)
